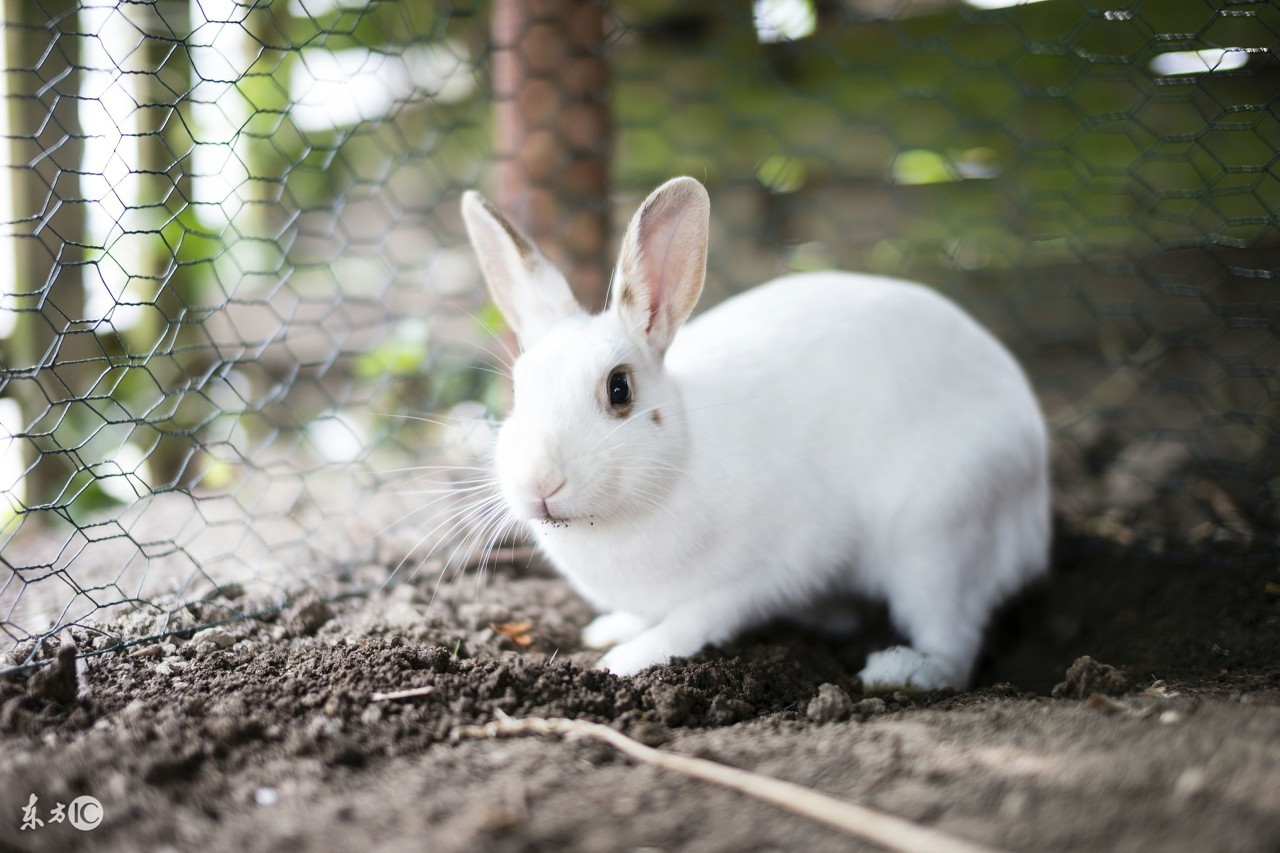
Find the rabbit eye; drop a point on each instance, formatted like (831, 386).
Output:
(619, 389)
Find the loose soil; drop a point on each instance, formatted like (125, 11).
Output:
(266, 734)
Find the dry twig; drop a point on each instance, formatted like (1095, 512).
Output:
(410, 693)
(892, 832)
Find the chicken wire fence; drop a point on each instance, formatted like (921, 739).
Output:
(237, 286)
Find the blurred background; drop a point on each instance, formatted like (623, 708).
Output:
(238, 299)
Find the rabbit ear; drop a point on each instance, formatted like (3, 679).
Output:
(530, 292)
(664, 260)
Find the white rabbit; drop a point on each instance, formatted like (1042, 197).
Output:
(823, 436)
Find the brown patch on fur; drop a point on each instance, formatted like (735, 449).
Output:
(628, 294)
(626, 273)
(657, 417)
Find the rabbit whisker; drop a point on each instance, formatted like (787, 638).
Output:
(511, 356)
(435, 419)
(481, 525)
(451, 522)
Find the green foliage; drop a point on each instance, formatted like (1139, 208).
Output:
(406, 352)
(191, 243)
(490, 322)
(781, 174)
(916, 166)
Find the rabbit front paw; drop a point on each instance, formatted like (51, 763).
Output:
(903, 666)
(633, 656)
(611, 629)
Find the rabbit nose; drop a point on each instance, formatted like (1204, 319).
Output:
(543, 488)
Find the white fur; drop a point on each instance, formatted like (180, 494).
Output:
(822, 435)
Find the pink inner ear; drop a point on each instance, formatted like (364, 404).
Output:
(658, 245)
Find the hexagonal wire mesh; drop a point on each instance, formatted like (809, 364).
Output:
(235, 255)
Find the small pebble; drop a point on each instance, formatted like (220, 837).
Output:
(832, 703)
(219, 637)
(310, 615)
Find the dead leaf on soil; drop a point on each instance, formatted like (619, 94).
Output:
(1159, 690)
(1155, 701)
(516, 632)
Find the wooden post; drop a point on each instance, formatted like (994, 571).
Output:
(553, 141)
(156, 74)
(52, 353)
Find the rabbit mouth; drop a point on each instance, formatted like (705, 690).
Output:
(545, 513)
(545, 507)
(552, 516)
(548, 510)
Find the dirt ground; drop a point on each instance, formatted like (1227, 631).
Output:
(265, 735)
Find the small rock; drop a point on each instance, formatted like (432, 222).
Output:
(170, 667)
(178, 621)
(1086, 677)
(57, 682)
(22, 653)
(230, 592)
(725, 711)
(309, 615)
(871, 706)
(832, 703)
(220, 638)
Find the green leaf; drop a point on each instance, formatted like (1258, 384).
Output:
(781, 174)
(918, 166)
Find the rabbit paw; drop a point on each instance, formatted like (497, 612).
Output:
(903, 666)
(631, 657)
(611, 629)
